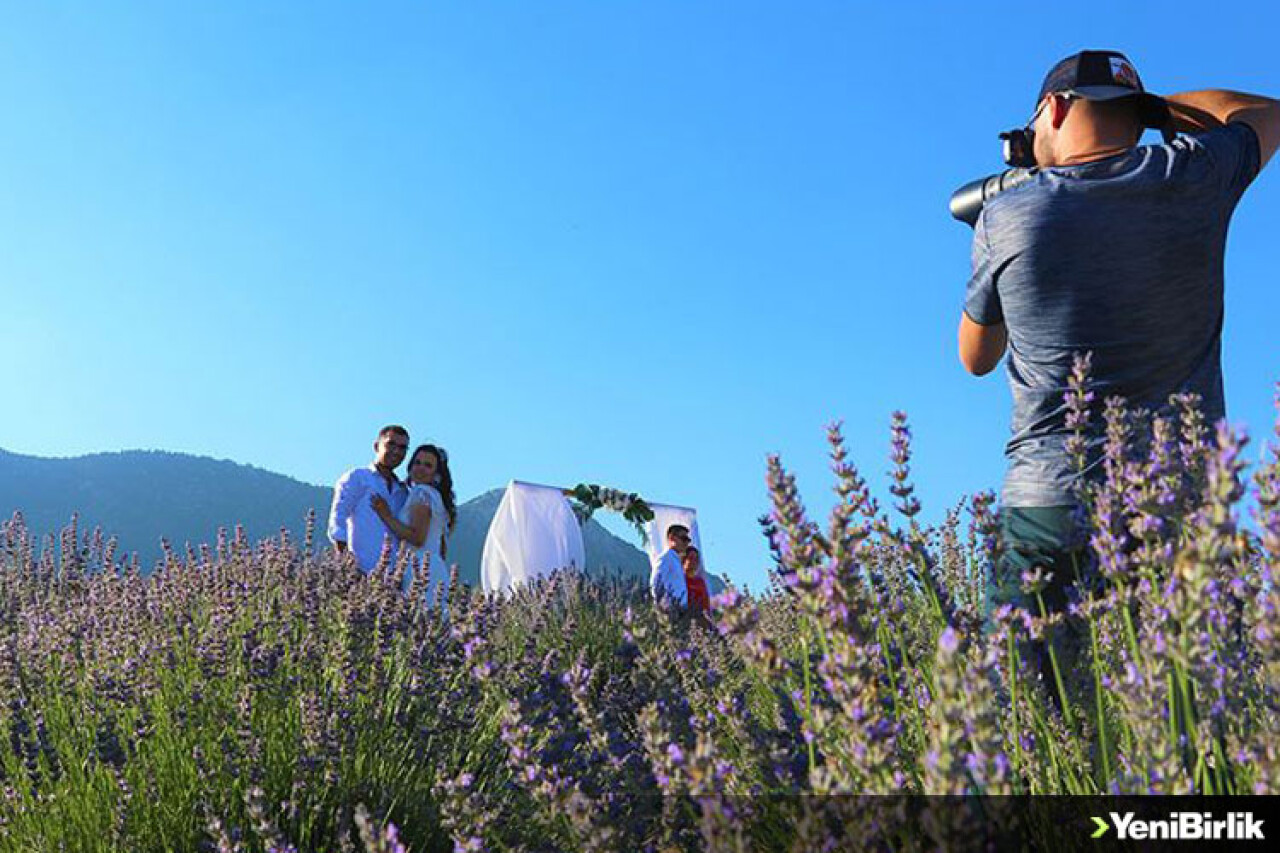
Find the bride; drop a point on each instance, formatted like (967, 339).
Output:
(427, 517)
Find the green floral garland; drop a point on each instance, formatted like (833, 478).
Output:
(586, 498)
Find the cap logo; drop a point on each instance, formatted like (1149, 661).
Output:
(1123, 73)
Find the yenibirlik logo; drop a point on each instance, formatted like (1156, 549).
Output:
(1182, 826)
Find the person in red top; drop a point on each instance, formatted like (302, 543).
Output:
(699, 598)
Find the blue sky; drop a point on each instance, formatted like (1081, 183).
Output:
(639, 244)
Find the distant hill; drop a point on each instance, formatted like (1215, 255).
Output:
(141, 496)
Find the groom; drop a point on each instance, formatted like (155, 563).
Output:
(353, 525)
(667, 578)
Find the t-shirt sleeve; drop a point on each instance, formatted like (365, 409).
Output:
(981, 299)
(1234, 156)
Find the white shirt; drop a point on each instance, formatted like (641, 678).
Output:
(352, 519)
(668, 576)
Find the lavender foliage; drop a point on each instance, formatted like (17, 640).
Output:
(272, 697)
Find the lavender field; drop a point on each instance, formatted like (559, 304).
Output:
(269, 697)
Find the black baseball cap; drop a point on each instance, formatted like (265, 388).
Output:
(1103, 75)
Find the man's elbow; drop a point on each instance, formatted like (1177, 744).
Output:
(982, 369)
(978, 364)
(981, 347)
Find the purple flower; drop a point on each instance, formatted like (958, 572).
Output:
(948, 641)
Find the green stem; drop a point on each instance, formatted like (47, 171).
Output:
(1057, 671)
(1013, 691)
(1104, 746)
(1188, 715)
(935, 603)
(808, 702)
(1099, 706)
(1130, 632)
(913, 709)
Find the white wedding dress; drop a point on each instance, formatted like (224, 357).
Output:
(428, 556)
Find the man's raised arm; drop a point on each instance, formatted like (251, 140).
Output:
(1193, 112)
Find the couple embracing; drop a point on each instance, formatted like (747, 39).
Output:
(677, 575)
(372, 506)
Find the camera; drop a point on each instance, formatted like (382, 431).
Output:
(1019, 147)
(967, 202)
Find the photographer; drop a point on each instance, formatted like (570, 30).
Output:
(1107, 247)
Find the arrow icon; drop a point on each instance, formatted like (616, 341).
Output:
(1102, 828)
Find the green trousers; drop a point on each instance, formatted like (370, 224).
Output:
(1048, 538)
(1045, 537)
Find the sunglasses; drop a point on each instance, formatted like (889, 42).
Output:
(1066, 96)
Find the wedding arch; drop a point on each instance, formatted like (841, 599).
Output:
(538, 529)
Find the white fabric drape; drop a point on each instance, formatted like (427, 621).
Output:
(663, 517)
(533, 533)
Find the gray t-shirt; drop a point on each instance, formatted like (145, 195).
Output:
(1123, 258)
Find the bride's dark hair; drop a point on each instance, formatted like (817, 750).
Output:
(444, 479)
